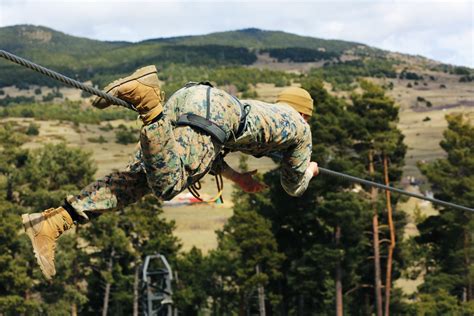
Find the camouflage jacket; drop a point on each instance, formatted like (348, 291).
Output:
(270, 129)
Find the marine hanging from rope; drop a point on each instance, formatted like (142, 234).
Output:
(183, 139)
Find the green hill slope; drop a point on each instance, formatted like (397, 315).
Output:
(259, 39)
(86, 59)
(39, 39)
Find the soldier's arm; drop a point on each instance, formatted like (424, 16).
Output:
(244, 180)
(296, 167)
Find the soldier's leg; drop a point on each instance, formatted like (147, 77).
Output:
(110, 193)
(174, 157)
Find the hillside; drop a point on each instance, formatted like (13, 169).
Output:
(99, 61)
(254, 38)
(28, 38)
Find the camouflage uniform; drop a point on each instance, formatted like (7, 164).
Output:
(277, 129)
(171, 157)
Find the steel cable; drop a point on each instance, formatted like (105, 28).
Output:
(386, 187)
(64, 79)
(114, 100)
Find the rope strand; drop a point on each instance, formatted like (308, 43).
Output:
(59, 77)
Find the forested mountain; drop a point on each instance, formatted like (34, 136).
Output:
(258, 39)
(87, 59)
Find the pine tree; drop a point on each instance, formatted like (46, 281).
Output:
(117, 244)
(37, 179)
(380, 141)
(448, 235)
(322, 233)
(193, 282)
(246, 259)
(109, 257)
(245, 242)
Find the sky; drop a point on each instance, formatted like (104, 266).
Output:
(440, 30)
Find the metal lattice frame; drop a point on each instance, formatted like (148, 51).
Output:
(156, 287)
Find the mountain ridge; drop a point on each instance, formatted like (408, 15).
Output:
(249, 37)
(88, 59)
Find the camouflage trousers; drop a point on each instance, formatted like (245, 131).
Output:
(169, 159)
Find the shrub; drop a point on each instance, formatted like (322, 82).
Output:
(125, 137)
(101, 139)
(252, 94)
(33, 129)
(426, 119)
(410, 75)
(466, 79)
(22, 86)
(38, 91)
(67, 111)
(420, 99)
(16, 100)
(461, 71)
(48, 98)
(85, 95)
(107, 127)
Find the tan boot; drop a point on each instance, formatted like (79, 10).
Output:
(142, 89)
(44, 229)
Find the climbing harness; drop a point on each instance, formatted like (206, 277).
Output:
(205, 124)
(217, 130)
(196, 186)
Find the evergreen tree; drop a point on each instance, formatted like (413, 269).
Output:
(193, 282)
(322, 232)
(118, 243)
(246, 260)
(377, 140)
(448, 235)
(30, 177)
(16, 279)
(110, 255)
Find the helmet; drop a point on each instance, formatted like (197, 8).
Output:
(297, 98)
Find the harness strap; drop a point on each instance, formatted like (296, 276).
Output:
(208, 126)
(204, 124)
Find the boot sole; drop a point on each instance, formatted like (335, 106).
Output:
(136, 75)
(42, 262)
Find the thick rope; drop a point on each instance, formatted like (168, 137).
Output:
(193, 190)
(387, 187)
(64, 79)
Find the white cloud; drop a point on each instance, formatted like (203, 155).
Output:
(441, 30)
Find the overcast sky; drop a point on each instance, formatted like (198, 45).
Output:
(441, 30)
